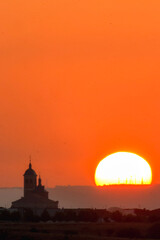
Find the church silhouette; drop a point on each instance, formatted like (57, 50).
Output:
(35, 195)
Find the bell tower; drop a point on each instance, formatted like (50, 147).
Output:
(30, 180)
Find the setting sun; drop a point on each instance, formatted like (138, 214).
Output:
(123, 168)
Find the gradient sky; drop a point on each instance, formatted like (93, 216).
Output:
(78, 80)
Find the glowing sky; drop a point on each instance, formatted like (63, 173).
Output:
(78, 80)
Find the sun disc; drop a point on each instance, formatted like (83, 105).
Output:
(123, 168)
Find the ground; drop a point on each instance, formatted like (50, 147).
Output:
(78, 231)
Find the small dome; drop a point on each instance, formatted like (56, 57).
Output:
(30, 171)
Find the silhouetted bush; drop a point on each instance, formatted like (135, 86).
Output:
(116, 216)
(154, 215)
(5, 215)
(70, 216)
(80, 216)
(130, 218)
(142, 215)
(36, 218)
(87, 216)
(28, 215)
(59, 216)
(15, 216)
(45, 216)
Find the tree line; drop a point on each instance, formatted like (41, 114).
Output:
(81, 215)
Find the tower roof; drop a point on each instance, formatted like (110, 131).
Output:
(30, 171)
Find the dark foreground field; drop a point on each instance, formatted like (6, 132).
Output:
(78, 231)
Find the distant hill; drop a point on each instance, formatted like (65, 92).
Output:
(94, 197)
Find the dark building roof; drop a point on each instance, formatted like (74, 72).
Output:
(34, 201)
(30, 171)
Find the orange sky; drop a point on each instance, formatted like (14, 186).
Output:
(78, 80)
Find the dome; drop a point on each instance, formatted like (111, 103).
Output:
(30, 171)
